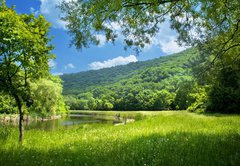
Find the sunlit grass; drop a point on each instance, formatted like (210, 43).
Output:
(162, 138)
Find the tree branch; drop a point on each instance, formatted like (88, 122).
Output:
(159, 2)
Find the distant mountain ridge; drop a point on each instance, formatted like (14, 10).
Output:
(177, 64)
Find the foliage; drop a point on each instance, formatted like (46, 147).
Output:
(200, 99)
(196, 21)
(164, 100)
(184, 98)
(7, 104)
(46, 95)
(224, 95)
(175, 138)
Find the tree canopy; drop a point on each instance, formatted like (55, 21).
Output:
(196, 21)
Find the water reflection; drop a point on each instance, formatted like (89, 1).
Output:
(71, 120)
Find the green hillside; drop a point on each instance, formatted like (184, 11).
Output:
(172, 65)
(156, 84)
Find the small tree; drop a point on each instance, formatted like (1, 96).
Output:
(24, 55)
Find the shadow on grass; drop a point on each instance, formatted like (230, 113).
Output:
(176, 148)
(213, 114)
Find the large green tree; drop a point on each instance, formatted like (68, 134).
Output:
(213, 26)
(24, 55)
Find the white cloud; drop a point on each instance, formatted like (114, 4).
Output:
(113, 62)
(52, 64)
(102, 40)
(52, 13)
(57, 74)
(171, 46)
(166, 39)
(69, 66)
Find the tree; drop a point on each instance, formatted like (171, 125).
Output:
(221, 70)
(200, 99)
(146, 99)
(224, 96)
(46, 95)
(72, 102)
(107, 105)
(92, 104)
(163, 100)
(24, 55)
(183, 99)
(213, 26)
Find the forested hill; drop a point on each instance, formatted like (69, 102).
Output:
(148, 71)
(157, 84)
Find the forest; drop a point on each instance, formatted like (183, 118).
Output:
(179, 109)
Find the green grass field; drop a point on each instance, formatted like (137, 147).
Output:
(161, 138)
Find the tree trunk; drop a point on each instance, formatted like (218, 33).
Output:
(21, 128)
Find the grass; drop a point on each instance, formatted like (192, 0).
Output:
(162, 138)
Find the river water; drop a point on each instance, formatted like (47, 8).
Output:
(72, 120)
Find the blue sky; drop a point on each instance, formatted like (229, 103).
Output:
(69, 60)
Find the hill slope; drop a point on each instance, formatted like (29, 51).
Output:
(175, 64)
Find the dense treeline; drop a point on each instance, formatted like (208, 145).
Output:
(160, 84)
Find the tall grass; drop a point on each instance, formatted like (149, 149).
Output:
(164, 138)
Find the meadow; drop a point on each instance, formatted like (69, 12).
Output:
(159, 138)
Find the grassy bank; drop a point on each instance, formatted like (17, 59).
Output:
(164, 138)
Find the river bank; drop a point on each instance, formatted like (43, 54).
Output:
(14, 118)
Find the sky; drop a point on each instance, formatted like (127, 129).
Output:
(70, 60)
